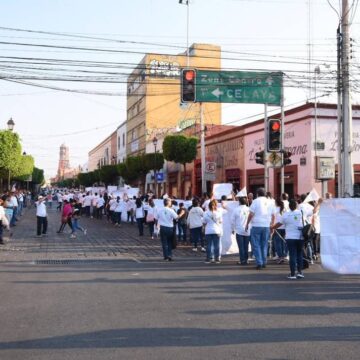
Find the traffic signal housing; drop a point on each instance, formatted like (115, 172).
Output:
(274, 135)
(286, 158)
(188, 85)
(259, 157)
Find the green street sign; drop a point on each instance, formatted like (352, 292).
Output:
(239, 87)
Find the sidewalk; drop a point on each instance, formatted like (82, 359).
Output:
(103, 240)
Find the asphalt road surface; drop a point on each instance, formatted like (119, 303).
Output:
(115, 298)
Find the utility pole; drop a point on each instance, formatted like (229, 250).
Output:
(339, 114)
(347, 168)
(202, 147)
(266, 164)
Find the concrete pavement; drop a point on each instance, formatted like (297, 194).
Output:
(108, 303)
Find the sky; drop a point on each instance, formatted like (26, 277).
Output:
(104, 39)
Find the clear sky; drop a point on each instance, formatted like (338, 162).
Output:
(259, 34)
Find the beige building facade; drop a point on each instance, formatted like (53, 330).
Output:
(153, 96)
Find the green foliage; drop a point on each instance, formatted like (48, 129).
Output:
(25, 168)
(108, 174)
(10, 152)
(149, 160)
(180, 149)
(38, 176)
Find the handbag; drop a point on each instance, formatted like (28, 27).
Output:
(308, 230)
(150, 218)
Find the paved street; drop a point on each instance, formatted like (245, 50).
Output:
(114, 298)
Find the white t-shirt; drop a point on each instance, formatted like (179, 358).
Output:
(112, 204)
(139, 212)
(238, 220)
(166, 217)
(118, 206)
(87, 200)
(205, 205)
(40, 208)
(100, 202)
(262, 209)
(213, 222)
(293, 223)
(195, 217)
(278, 216)
(308, 211)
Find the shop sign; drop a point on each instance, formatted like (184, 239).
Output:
(186, 123)
(210, 167)
(325, 167)
(164, 68)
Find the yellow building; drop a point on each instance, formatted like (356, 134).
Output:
(153, 96)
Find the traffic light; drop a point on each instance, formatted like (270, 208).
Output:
(274, 135)
(259, 157)
(286, 158)
(188, 79)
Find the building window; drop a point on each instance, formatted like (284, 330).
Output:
(123, 139)
(118, 142)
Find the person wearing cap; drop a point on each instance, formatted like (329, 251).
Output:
(41, 216)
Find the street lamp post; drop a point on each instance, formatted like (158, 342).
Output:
(155, 141)
(10, 125)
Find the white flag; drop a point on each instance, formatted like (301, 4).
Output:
(313, 196)
(242, 193)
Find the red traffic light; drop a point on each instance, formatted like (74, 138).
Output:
(189, 75)
(275, 126)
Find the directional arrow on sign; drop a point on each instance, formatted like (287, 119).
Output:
(217, 92)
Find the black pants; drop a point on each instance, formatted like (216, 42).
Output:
(295, 255)
(63, 224)
(41, 225)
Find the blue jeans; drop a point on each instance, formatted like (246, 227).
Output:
(259, 242)
(76, 225)
(196, 236)
(13, 218)
(295, 255)
(243, 244)
(166, 236)
(182, 232)
(280, 245)
(140, 224)
(213, 247)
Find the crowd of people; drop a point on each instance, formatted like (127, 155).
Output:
(273, 227)
(12, 204)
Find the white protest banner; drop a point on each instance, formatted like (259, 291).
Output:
(111, 189)
(131, 192)
(222, 189)
(242, 193)
(312, 196)
(340, 235)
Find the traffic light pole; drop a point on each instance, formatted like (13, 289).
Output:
(282, 170)
(202, 147)
(266, 164)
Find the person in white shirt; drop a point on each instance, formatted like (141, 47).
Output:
(100, 207)
(41, 216)
(293, 222)
(87, 204)
(15, 204)
(60, 201)
(213, 231)
(195, 224)
(165, 218)
(150, 217)
(238, 223)
(279, 234)
(140, 215)
(94, 200)
(3, 221)
(262, 216)
(117, 206)
(130, 210)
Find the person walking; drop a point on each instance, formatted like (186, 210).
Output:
(140, 216)
(195, 224)
(66, 218)
(238, 223)
(165, 219)
(150, 217)
(213, 231)
(4, 222)
(262, 216)
(293, 222)
(41, 217)
(181, 223)
(279, 234)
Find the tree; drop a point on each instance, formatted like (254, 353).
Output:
(38, 176)
(180, 149)
(10, 153)
(154, 162)
(25, 168)
(108, 174)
